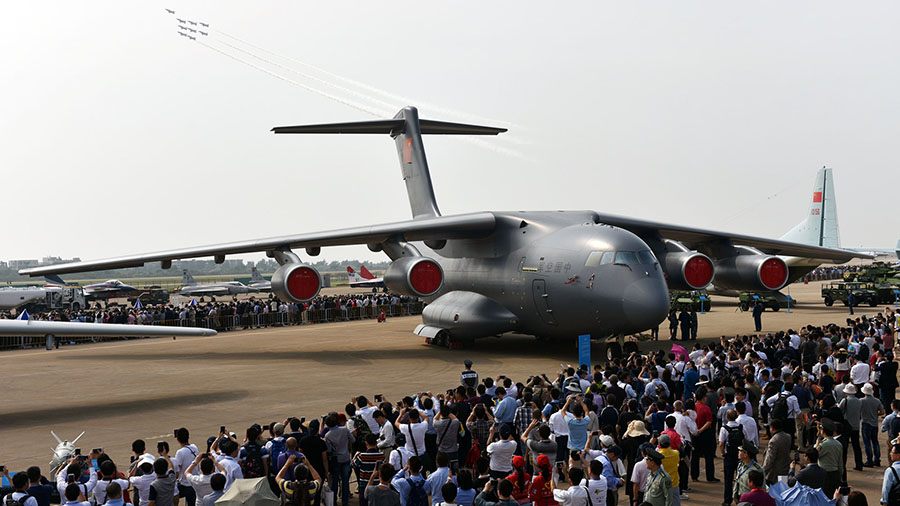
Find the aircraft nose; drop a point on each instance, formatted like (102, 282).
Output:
(645, 303)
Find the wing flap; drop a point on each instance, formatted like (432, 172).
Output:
(458, 226)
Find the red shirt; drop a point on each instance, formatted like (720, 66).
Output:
(541, 493)
(521, 494)
(704, 414)
(675, 437)
(758, 497)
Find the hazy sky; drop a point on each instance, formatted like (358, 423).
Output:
(121, 136)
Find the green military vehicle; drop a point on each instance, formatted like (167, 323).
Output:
(682, 300)
(878, 272)
(746, 300)
(839, 291)
(152, 295)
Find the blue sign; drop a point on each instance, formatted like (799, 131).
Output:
(584, 350)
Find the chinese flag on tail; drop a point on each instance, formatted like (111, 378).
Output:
(817, 196)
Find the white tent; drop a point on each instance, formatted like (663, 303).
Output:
(249, 492)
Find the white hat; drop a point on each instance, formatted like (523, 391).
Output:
(850, 389)
(867, 389)
(606, 441)
(147, 458)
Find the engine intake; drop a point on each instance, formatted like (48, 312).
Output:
(414, 276)
(751, 272)
(689, 270)
(296, 282)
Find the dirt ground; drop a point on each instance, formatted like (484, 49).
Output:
(125, 390)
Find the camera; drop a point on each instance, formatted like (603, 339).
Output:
(70, 478)
(97, 450)
(796, 456)
(265, 427)
(222, 430)
(2, 469)
(77, 451)
(378, 397)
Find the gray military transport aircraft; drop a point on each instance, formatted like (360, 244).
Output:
(191, 288)
(551, 274)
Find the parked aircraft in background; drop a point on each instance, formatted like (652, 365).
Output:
(191, 288)
(554, 274)
(363, 279)
(108, 290)
(259, 282)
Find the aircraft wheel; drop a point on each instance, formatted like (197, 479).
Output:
(845, 303)
(613, 350)
(829, 301)
(631, 347)
(76, 306)
(745, 306)
(873, 303)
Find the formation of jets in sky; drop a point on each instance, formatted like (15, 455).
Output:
(182, 28)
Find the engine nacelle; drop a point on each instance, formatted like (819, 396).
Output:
(296, 282)
(751, 272)
(414, 276)
(689, 270)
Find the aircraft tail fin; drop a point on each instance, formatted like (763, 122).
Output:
(820, 228)
(365, 272)
(187, 279)
(407, 129)
(352, 275)
(897, 249)
(54, 279)
(255, 276)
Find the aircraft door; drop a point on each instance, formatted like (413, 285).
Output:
(542, 301)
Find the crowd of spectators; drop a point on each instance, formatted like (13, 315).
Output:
(635, 430)
(224, 315)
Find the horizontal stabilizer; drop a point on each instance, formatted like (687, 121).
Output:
(390, 126)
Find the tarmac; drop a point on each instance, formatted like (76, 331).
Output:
(119, 391)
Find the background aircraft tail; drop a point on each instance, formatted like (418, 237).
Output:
(406, 128)
(187, 279)
(365, 272)
(255, 276)
(353, 276)
(54, 279)
(820, 228)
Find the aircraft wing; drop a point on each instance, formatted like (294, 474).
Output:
(41, 328)
(437, 228)
(200, 290)
(697, 237)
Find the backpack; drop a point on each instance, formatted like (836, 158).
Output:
(417, 494)
(780, 407)
(252, 465)
(278, 447)
(894, 492)
(361, 427)
(735, 439)
(16, 502)
(894, 429)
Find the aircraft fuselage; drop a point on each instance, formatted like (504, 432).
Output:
(547, 269)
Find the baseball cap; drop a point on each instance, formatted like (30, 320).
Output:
(606, 441)
(543, 461)
(518, 461)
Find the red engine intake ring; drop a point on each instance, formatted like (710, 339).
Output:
(773, 273)
(426, 277)
(698, 272)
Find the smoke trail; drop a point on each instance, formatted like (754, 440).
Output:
(349, 103)
(400, 99)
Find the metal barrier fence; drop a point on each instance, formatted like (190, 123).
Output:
(233, 322)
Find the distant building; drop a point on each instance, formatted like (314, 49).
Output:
(22, 264)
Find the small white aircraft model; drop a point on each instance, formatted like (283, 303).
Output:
(63, 451)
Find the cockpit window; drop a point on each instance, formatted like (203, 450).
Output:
(626, 257)
(607, 257)
(646, 257)
(593, 260)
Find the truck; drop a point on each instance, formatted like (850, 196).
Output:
(864, 293)
(57, 298)
(769, 300)
(682, 300)
(152, 295)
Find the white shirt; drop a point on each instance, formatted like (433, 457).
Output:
(31, 501)
(399, 457)
(751, 433)
(639, 475)
(558, 424)
(100, 489)
(573, 496)
(415, 443)
(792, 404)
(597, 488)
(183, 458)
(684, 426)
(795, 341)
(366, 413)
(501, 453)
(62, 482)
(232, 471)
(201, 485)
(859, 373)
(386, 435)
(142, 485)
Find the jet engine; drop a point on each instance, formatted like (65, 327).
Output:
(296, 282)
(751, 272)
(689, 270)
(414, 276)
